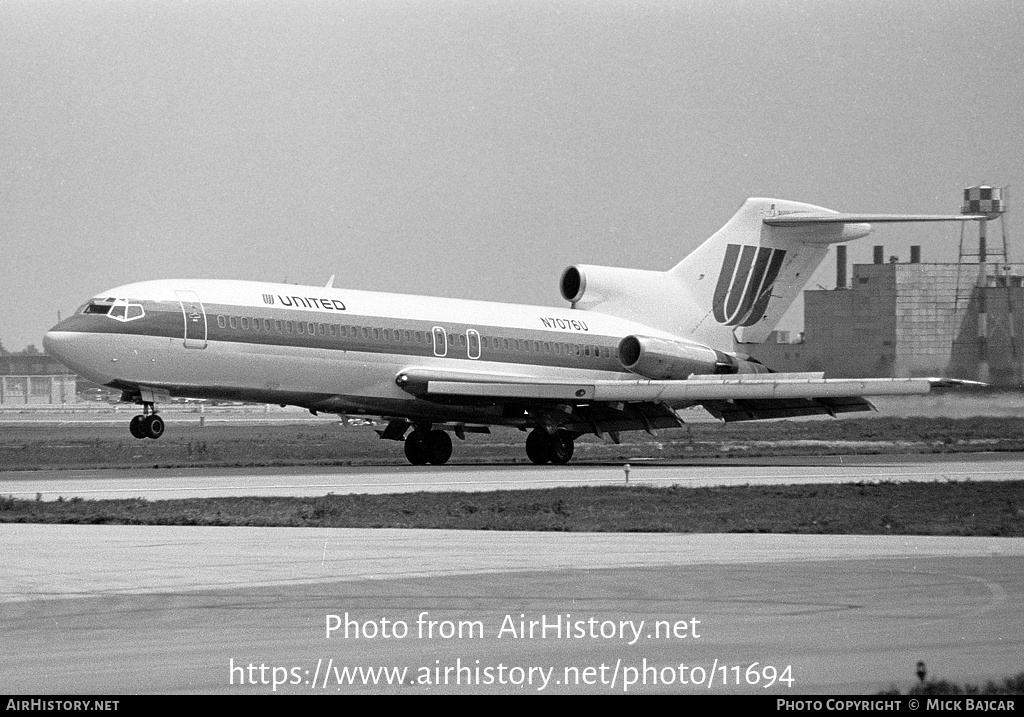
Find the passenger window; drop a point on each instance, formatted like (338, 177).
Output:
(406, 335)
(376, 334)
(222, 322)
(321, 330)
(334, 330)
(244, 321)
(344, 331)
(300, 326)
(233, 322)
(278, 325)
(288, 326)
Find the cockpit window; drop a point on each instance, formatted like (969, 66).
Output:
(96, 307)
(119, 309)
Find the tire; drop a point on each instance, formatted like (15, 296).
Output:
(415, 450)
(153, 426)
(439, 447)
(562, 447)
(538, 447)
(135, 427)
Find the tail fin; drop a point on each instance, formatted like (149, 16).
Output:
(736, 285)
(747, 275)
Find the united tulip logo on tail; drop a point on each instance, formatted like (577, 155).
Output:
(745, 284)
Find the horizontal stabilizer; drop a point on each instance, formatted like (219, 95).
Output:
(797, 219)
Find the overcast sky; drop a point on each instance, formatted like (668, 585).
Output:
(474, 148)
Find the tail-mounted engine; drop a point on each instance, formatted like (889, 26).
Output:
(585, 286)
(664, 359)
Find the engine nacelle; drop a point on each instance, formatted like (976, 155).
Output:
(664, 359)
(585, 285)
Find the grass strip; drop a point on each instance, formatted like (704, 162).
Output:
(964, 508)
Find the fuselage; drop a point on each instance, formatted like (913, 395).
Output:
(324, 348)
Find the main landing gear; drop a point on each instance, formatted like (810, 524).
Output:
(426, 445)
(423, 447)
(148, 424)
(543, 447)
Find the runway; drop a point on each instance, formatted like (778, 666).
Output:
(158, 484)
(114, 610)
(139, 609)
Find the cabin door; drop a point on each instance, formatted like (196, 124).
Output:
(195, 319)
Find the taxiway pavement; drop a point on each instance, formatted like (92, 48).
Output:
(156, 484)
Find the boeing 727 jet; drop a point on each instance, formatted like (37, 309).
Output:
(630, 351)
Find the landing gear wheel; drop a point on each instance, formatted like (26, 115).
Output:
(415, 450)
(136, 427)
(439, 447)
(153, 426)
(538, 447)
(562, 447)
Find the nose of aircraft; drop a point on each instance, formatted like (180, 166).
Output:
(55, 343)
(72, 349)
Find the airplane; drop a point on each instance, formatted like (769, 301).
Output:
(631, 351)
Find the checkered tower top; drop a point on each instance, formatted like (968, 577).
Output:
(983, 200)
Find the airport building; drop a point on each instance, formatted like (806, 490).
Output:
(902, 319)
(35, 379)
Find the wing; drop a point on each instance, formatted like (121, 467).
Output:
(730, 398)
